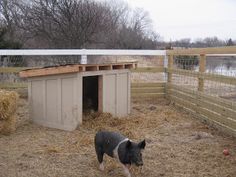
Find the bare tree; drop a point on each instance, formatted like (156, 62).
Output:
(63, 23)
(78, 24)
(185, 43)
(213, 42)
(10, 16)
(229, 42)
(134, 31)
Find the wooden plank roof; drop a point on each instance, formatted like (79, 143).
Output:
(75, 68)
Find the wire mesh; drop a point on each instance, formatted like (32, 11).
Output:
(150, 75)
(190, 64)
(12, 61)
(222, 66)
(225, 66)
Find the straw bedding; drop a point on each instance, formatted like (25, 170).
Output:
(8, 107)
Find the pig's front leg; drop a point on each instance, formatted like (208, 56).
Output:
(101, 166)
(126, 170)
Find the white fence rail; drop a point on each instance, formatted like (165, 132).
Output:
(85, 52)
(82, 52)
(54, 52)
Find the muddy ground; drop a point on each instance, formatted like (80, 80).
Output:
(177, 146)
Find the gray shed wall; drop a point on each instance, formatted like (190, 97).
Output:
(56, 101)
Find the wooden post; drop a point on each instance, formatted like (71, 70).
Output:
(100, 93)
(202, 69)
(169, 75)
(170, 66)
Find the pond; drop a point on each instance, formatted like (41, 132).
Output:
(221, 65)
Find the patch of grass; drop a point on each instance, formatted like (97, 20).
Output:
(12, 85)
(12, 69)
(149, 70)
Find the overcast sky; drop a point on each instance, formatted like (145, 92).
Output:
(176, 19)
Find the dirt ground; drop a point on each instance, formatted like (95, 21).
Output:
(177, 146)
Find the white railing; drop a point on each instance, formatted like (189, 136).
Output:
(33, 52)
(82, 52)
(85, 52)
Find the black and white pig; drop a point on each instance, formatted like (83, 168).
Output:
(118, 146)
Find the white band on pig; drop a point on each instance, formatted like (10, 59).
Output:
(115, 151)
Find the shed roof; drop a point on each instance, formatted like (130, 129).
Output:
(53, 70)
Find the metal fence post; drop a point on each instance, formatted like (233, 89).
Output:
(84, 57)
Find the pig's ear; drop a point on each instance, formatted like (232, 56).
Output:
(128, 144)
(142, 144)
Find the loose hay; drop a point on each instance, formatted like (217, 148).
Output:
(105, 121)
(131, 125)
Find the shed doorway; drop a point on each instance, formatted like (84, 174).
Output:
(90, 94)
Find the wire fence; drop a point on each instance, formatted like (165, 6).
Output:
(222, 66)
(150, 70)
(202, 85)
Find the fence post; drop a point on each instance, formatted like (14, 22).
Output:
(202, 69)
(169, 75)
(83, 57)
(170, 66)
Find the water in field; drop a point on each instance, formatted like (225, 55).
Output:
(221, 65)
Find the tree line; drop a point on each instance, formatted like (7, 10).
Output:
(76, 24)
(84, 24)
(200, 43)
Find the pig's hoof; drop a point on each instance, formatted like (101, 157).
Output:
(101, 167)
(126, 170)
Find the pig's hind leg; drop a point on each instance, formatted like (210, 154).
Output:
(100, 155)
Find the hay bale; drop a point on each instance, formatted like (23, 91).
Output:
(8, 104)
(8, 126)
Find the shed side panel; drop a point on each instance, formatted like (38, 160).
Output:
(129, 90)
(52, 101)
(37, 100)
(109, 93)
(67, 98)
(79, 98)
(122, 94)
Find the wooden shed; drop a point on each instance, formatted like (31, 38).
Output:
(58, 96)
